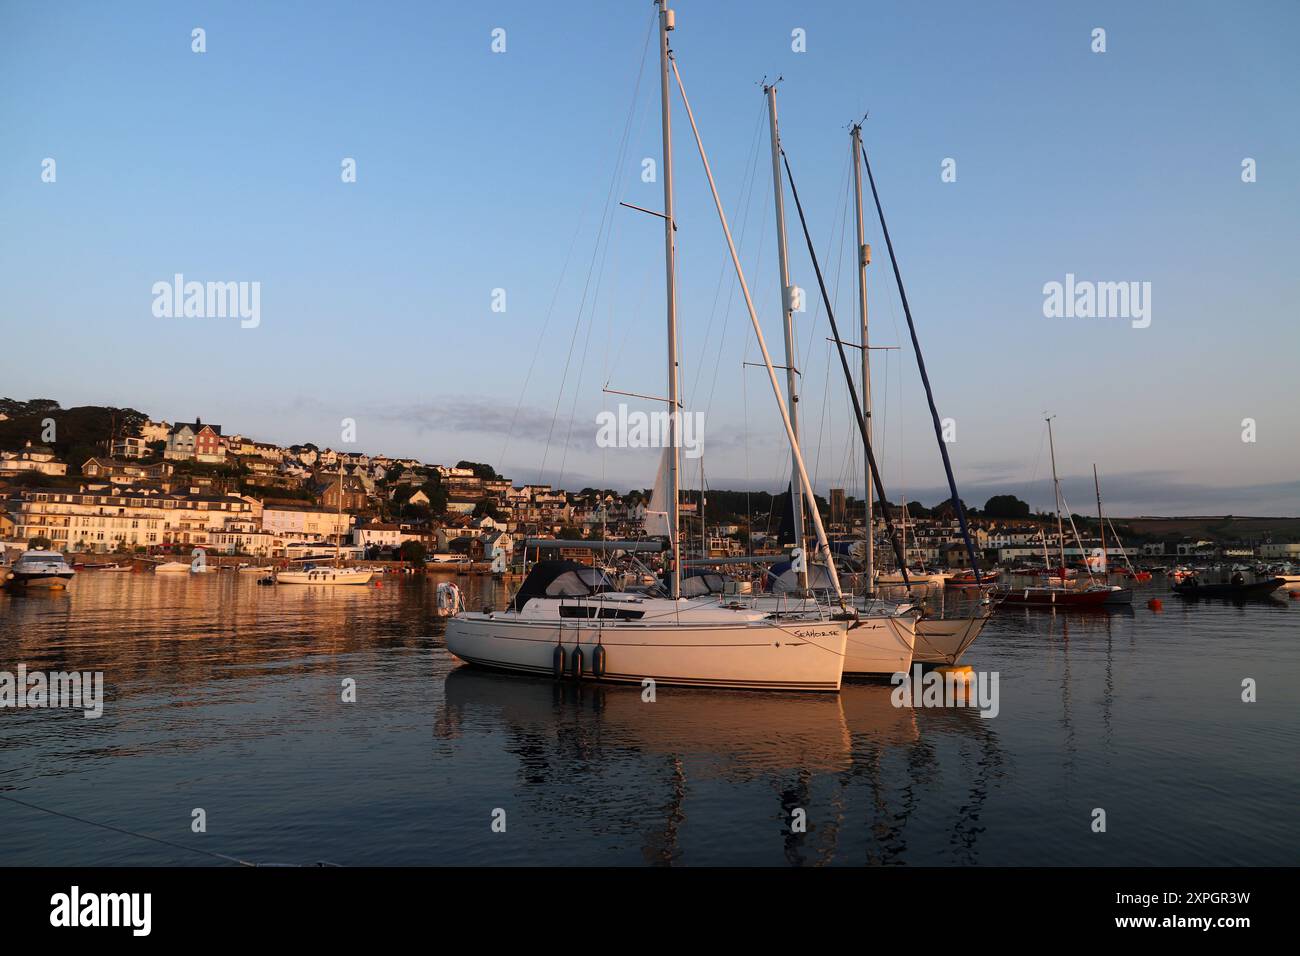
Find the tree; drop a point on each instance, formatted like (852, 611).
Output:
(40, 543)
(437, 494)
(412, 552)
(488, 507)
(481, 471)
(1006, 506)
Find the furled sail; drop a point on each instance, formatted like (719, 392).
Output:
(656, 515)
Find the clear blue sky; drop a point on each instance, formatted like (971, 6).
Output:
(479, 171)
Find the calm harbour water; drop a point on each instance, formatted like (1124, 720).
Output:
(227, 696)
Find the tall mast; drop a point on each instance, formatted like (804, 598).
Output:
(670, 270)
(799, 468)
(338, 527)
(787, 320)
(864, 257)
(1056, 486)
(1105, 562)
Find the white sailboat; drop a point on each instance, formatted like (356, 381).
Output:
(570, 619)
(891, 636)
(882, 641)
(328, 575)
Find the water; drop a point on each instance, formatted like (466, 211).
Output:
(226, 696)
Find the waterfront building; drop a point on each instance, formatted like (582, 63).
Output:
(1274, 551)
(107, 518)
(295, 523)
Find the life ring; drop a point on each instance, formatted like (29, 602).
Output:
(448, 599)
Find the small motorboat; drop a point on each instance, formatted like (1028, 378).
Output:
(1288, 576)
(172, 567)
(1237, 586)
(966, 579)
(39, 569)
(915, 576)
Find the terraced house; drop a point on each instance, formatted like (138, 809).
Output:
(103, 519)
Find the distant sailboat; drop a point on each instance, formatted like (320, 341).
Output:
(329, 575)
(1093, 595)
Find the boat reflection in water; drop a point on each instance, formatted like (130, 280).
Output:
(836, 757)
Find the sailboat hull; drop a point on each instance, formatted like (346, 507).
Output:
(327, 577)
(880, 645)
(753, 655)
(1057, 597)
(944, 641)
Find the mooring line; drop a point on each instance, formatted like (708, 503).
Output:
(116, 829)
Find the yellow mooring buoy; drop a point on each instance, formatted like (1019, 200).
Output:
(958, 672)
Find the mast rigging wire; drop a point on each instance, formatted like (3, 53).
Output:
(839, 345)
(958, 506)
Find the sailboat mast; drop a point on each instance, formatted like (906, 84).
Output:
(787, 321)
(1105, 561)
(864, 257)
(670, 271)
(338, 527)
(800, 468)
(1056, 486)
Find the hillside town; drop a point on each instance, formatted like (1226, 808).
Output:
(153, 487)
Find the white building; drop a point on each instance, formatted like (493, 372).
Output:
(295, 523)
(104, 518)
(36, 458)
(381, 535)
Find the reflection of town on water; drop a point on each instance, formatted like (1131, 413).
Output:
(183, 629)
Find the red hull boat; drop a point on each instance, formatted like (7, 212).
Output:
(967, 580)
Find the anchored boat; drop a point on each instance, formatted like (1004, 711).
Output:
(1236, 584)
(40, 569)
(569, 620)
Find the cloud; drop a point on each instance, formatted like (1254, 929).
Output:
(1129, 494)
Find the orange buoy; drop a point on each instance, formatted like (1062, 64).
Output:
(1156, 604)
(379, 584)
(1294, 594)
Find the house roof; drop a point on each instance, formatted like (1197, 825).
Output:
(195, 426)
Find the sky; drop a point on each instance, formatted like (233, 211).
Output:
(479, 171)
